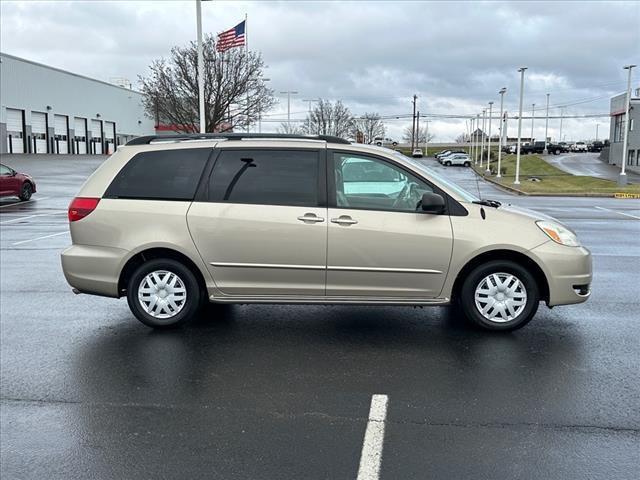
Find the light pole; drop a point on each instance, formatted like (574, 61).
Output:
(426, 139)
(470, 152)
(475, 159)
(488, 171)
(288, 93)
(561, 115)
(533, 114)
(622, 179)
(310, 100)
(484, 121)
(546, 129)
(203, 126)
(502, 91)
(597, 125)
(517, 179)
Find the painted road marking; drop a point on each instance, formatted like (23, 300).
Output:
(40, 238)
(619, 213)
(32, 216)
(371, 455)
(22, 203)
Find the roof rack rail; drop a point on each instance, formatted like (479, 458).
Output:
(147, 139)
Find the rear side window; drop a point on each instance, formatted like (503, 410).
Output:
(160, 175)
(267, 177)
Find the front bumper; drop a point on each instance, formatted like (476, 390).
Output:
(93, 269)
(568, 272)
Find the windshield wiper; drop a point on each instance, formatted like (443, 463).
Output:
(488, 203)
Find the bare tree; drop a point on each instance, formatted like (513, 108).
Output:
(370, 126)
(234, 90)
(329, 118)
(289, 129)
(407, 135)
(462, 138)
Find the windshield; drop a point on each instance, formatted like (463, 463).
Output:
(439, 179)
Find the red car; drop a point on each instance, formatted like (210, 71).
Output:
(14, 184)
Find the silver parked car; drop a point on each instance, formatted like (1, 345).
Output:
(456, 159)
(172, 223)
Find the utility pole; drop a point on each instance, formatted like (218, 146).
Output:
(289, 93)
(501, 92)
(561, 115)
(203, 124)
(597, 125)
(488, 171)
(517, 179)
(546, 129)
(533, 114)
(622, 179)
(413, 123)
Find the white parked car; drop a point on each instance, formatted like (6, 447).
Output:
(579, 147)
(384, 142)
(456, 159)
(417, 153)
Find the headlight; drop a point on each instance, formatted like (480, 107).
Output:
(558, 233)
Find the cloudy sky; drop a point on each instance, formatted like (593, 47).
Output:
(372, 55)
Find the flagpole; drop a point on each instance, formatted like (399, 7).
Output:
(246, 56)
(203, 126)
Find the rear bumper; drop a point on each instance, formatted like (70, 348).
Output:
(93, 269)
(568, 272)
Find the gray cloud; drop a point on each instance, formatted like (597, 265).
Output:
(372, 55)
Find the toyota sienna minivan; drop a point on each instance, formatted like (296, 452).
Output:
(175, 222)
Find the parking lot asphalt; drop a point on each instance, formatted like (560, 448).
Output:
(266, 392)
(589, 164)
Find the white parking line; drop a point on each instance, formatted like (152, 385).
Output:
(40, 238)
(31, 216)
(22, 203)
(371, 455)
(619, 213)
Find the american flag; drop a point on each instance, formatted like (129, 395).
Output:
(234, 37)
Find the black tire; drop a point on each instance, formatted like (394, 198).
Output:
(467, 164)
(556, 151)
(26, 191)
(379, 144)
(447, 163)
(476, 277)
(190, 307)
(395, 144)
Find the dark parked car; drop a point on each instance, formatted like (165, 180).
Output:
(596, 146)
(14, 184)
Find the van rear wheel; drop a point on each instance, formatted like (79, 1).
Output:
(500, 295)
(164, 293)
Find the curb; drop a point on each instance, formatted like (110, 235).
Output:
(543, 194)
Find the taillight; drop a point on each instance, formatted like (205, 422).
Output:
(80, 207)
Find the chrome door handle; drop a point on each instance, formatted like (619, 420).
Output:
(344, 220)
(310, 217)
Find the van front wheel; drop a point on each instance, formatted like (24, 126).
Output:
(163, 293)
(500, 295)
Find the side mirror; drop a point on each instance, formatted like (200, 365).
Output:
(432, 203)
(13, 173)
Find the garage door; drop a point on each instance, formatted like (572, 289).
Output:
(110, 136)
(96, 134)
(80, 132)
(39, 132)
(15, 131)
(61, 130)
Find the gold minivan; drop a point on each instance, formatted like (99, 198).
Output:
(175, 222)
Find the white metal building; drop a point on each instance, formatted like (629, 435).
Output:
(47, 110)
